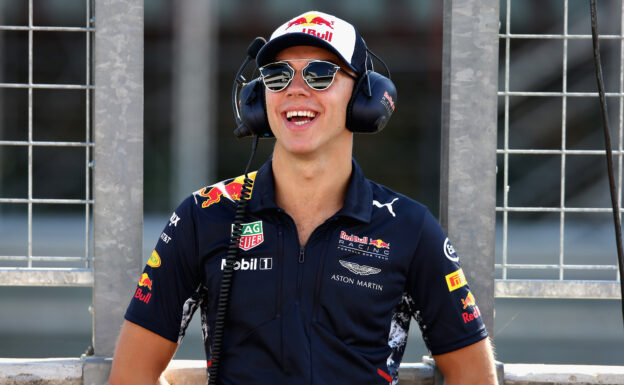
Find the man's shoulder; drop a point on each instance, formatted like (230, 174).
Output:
(398, 205)
(225, 192)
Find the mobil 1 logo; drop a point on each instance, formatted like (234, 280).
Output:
(251, 264)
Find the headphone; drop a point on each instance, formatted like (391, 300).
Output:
(372, 101)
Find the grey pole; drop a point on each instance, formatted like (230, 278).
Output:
(3, 9)
(469, 121)
(118, 171)
(194, 132)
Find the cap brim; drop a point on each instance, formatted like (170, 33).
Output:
(268, 52)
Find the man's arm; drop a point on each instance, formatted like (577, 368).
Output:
(473, 364)
(140, 356)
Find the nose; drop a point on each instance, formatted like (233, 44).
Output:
(298, 86)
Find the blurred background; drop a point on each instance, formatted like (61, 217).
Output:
(407, 35)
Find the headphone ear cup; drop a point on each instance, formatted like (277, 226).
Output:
(252, 107)
(369, 113)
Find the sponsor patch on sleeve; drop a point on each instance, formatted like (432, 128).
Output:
(456, 279)
(154, 260)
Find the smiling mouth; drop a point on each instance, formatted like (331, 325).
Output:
(300, 117)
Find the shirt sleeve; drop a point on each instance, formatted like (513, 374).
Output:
(164, 293)
(445, 308)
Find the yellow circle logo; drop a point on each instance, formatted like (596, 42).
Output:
(154, 259)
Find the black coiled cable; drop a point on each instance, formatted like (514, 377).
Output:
(607, 138)
(228, 270)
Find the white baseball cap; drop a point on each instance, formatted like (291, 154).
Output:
(321, 30)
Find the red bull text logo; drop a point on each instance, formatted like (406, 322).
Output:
(387, 101)
(471, 316)
(468, 301)
(313, 20)
(327, 36)
(231, 191)
(145, 281)
(456, 279)
(353, 238)
(142, 297)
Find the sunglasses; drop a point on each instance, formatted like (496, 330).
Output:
(318, 74)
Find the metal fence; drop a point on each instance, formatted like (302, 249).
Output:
(550, 153)
(59, 270)
(110, 164)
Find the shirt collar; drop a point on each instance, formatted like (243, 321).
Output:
(358, 202)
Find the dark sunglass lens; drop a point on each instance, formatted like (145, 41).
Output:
(320, 75)
(276, 77)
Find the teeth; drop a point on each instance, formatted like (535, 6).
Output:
(308, 114)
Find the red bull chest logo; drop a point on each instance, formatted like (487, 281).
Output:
(251, 235)
(378, 243)
(377, 248)
(312, 23)
(231, 191)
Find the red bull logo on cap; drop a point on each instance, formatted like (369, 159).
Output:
(312, 23)
(231, 191)
(310, 20)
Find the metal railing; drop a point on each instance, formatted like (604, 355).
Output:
(110, 259)
(61, 274)
(559, 287)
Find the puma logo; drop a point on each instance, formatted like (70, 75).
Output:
(386, 205)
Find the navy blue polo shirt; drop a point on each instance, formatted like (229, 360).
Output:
(333, 311)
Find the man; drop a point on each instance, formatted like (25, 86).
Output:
(331, 267)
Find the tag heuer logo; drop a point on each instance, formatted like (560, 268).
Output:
(251, 235)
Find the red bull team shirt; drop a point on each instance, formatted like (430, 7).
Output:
(333, 311)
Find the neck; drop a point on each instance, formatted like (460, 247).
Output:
(311, 190)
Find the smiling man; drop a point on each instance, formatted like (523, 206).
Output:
(331, 266)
